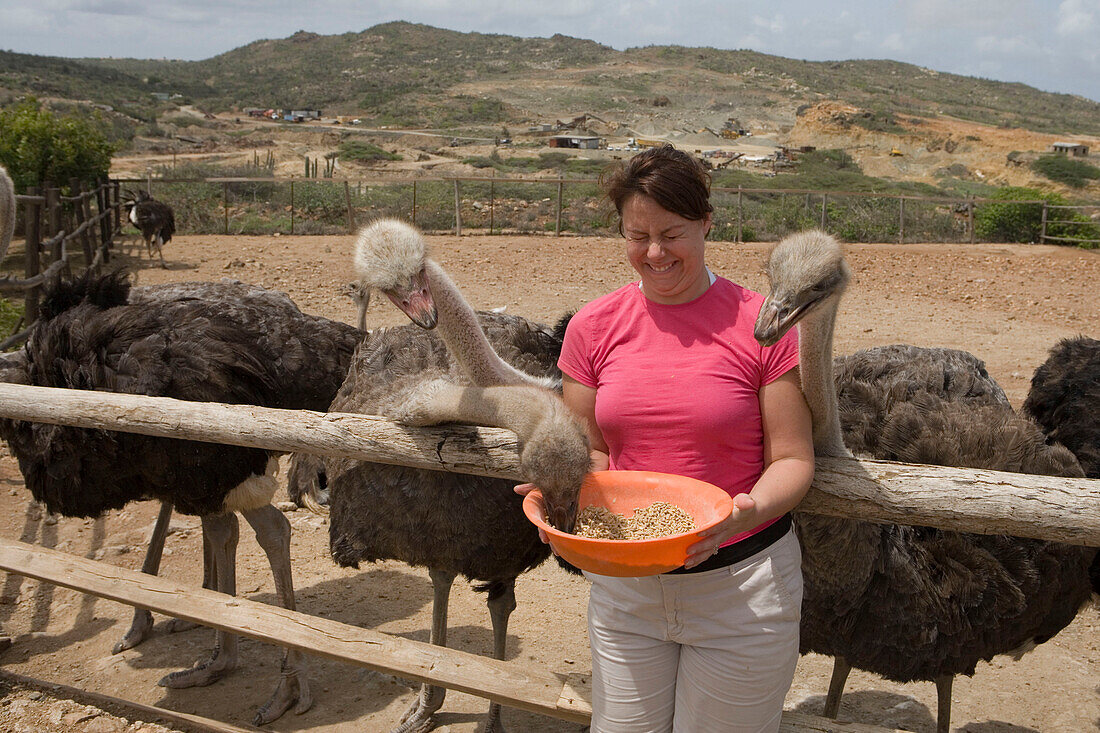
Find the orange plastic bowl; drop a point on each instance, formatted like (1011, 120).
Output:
(622, 492)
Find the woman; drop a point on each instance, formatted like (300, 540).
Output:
(669, 378)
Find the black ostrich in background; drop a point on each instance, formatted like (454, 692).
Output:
(913, 603)
(156, 221)
(209, 342)
(1064, 400)
(451, 524)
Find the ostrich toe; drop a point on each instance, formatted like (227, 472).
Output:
(176, 625)
(141, 628)
(418, 718)
(205, 673)
(293, 691)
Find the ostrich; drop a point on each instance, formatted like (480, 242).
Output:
(912, 603)
(156, 221)
(1064, 400)
(7, 212)
(215, 342)
(450, 523)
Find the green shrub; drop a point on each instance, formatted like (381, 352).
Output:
(1061, 169)
(364, 151)
(36, 145)
(1004, 221)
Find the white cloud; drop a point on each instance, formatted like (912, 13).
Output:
(1077, 17)
(893, 42)
(775, 25)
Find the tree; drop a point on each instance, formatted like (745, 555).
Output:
(37, 145)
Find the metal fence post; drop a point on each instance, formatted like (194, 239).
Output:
(740, 215)
(225, 202)
(970, 219)
(901, 220)
(292, 207)
(824, 197)
(351, 216)
(414, 204)
(458, 212)
(492, 204)
(557, 224)
(1043, 231)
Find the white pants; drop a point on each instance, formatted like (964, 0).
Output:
(712, 651)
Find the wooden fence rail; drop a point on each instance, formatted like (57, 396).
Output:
(47, 238)
(516, 684)
(969, 500)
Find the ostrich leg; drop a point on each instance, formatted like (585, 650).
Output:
(143, 619)
(273, 533)
(943, 702)
(501, 602)
(418, 718)
(841, 669)
(142, 624)
(222, 531)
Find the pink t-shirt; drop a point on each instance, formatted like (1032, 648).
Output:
(677, 385)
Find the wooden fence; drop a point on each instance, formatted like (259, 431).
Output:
(981, 501)
(52, 223)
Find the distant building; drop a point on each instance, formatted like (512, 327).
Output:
(574, 141)
(1075, 149)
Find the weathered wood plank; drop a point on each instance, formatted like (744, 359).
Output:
(971, 500)
(145, 713)
(510, 683)
(515, 684)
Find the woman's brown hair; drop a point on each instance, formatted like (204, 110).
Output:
(674, 179)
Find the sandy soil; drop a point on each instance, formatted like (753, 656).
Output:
(1007, 304)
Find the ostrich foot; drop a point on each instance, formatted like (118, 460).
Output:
(201, 675)
(418, 718)
(293, 690)
(141, 628)
(492, 722)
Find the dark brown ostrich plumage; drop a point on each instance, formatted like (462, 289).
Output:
(156, 221)
(214, 342)
(1064, 400)
(914, 603)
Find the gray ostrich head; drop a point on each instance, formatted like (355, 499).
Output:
(805, 270)
(390, 257)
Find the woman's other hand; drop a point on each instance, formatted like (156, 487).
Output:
(741, 519)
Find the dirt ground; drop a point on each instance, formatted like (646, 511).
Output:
(1006, 304)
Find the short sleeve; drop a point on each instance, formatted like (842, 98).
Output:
(780, 358)
(576, 356)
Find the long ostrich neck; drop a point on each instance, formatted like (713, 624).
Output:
(457, 324)
(815, 355)
(7, 213)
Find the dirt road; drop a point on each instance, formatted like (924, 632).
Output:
(1006, 304)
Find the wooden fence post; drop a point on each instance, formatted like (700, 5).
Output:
(901, 220)
(32, 225)
(492, 203)
(557, 223)
(351, 215)
(292, 207)
(225, 205)
(824, 198)
(740, 216)
(458, 212)
(1043, 231)
(79, 217)
(53, 220)
(104, 219)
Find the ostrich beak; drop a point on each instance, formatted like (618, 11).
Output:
(776, 318)
(415, 301)
(561, 516)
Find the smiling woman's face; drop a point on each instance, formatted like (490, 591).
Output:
(666, 249)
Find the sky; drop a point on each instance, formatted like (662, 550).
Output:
(1049, 44)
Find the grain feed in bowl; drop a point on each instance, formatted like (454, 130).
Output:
(659, 519)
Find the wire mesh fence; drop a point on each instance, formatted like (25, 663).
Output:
(570, 207)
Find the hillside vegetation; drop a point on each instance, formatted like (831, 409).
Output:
(404, 73)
